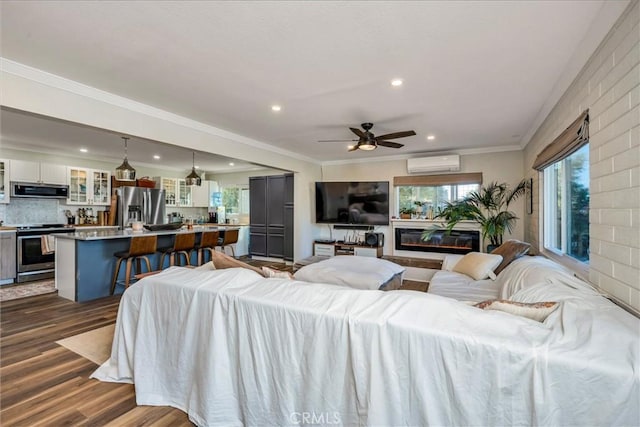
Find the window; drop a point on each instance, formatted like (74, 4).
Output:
(566, 205)
(235, 200)
(428, 200)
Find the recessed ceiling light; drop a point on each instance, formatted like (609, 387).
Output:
(396, 82)
(231, 164)
(155, 156)
(84, 150)
(276, 108)
(431, 137)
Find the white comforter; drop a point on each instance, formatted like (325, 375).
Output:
(232, 348)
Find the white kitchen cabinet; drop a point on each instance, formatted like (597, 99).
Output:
(4, 181)
(176, 191)
(89, 186)
(43, 173)
(201, 195)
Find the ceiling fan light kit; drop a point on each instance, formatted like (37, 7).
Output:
(368, 141)
(125, 172)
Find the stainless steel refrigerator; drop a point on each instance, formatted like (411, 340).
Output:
(140, 204)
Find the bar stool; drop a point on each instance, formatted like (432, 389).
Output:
(183, 244)
(139, 248)
(208, 242)
(229, 238)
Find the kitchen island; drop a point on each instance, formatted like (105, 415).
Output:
(85, 263)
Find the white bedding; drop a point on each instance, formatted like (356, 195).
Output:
(353, 271)
(232, 348)
(462, 287)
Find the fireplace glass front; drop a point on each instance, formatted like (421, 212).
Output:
(454, 242)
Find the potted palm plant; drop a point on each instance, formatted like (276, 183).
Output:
(489, 207)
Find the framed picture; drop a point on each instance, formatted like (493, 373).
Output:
(528, 194)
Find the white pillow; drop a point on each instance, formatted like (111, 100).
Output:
(450, 261)
(478, 265)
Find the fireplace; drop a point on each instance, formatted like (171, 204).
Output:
(454, 242)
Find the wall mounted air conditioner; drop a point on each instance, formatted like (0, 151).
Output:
(434, 164)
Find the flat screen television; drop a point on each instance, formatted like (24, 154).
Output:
(362, 202)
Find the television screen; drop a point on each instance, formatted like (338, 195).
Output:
(352, 203)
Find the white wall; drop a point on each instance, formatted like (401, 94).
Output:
(500, 167)
(609, 85)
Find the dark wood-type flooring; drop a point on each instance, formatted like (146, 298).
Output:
(44, 384)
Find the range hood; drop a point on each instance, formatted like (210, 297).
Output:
(36, 190)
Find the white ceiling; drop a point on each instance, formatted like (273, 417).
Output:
(476, 74)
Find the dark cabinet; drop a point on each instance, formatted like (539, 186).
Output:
(271, 216)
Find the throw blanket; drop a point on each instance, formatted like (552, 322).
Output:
(231, 348)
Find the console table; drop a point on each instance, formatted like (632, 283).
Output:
(337, 248)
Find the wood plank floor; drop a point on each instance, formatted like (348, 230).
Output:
(44, 384)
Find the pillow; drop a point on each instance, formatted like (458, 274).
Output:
(535, 311)
(478, 265)
(450, 261)
(207, 266)
(510, 250)
(221, 261)
(271, 272)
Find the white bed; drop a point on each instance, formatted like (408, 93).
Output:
(232, 348)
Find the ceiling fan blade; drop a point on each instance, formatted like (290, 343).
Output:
(354, 148)
(396, 135)
(337, 140)
(358, 132)
(389, 144)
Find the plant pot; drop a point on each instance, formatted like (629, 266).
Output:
(490, 248)
(405, 216)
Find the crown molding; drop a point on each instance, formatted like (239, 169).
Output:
(461, 151)
(58, 82)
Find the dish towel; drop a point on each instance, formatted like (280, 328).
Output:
(47, 244)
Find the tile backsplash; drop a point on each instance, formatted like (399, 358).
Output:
(34, 211)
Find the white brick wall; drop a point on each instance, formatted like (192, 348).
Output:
(609, 85)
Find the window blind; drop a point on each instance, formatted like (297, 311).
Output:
(568, 142)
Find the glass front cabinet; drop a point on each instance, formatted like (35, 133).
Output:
(176, 192)
(89, 186)
(4, 181)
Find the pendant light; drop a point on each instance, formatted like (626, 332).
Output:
(125, 172)
(193, 178)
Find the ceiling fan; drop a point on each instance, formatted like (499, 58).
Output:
(368, 141)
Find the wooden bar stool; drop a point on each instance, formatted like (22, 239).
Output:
(229, 238)
(183, 244)
(139, 248)
(208, 243)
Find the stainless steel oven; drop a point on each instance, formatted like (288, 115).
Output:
(33, 264)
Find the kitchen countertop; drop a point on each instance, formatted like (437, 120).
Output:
(4, 229)
(102, 234)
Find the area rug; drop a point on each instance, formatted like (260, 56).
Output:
(23, 290)
(93, 345)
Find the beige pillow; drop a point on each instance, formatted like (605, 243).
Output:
(221, 261)
(272, 272)
(478, 265)
(535, 311)
(510, 250)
